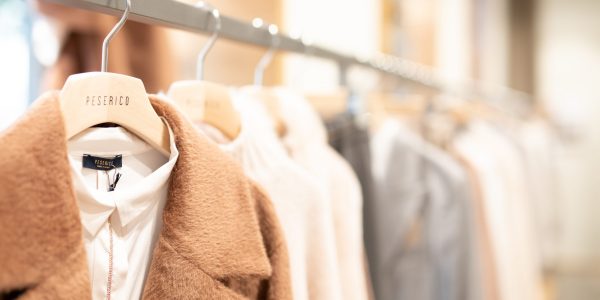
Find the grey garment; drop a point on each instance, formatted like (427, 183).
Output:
(424, 233)
(351, 139)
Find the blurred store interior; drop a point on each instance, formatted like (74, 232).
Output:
(547, 49)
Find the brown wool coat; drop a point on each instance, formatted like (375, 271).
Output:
(220, 238)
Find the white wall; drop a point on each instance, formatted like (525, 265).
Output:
(472, 40)
(14, 61)
(492, 45)
(349, 26)
(454, 57)
(568, 79)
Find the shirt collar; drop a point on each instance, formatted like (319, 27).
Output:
(97, 206)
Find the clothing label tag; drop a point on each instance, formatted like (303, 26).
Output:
(102, 163)
(113, 185)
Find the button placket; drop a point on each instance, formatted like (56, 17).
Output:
(120, 263)
(110, 261)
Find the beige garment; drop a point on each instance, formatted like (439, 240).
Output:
(302, 208)
(539, 146)
(220, 237)
(484, 244)
(306, 142)
(506, 202)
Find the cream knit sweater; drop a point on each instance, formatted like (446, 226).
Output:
(306, 141)
(301, 205)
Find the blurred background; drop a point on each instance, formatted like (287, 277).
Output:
(547, 48)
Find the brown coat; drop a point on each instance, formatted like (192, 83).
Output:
(220, 238)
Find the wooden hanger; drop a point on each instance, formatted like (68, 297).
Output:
(207, 102)
(383, 105)
(460, 111)
(93, 98)
(329, 104)
(268, 96)
(204, 101)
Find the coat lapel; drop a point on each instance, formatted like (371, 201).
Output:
(210, 233)
(42, 248)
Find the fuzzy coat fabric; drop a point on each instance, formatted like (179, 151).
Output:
(220, 237)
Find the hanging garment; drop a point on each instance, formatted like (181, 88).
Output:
(306, 141)
(503, 184)
(486, 266)
(120, 226)
(304, 212)
(220, 238)
(526, 222)
(423, 220)
(539, 148)
(352, 141)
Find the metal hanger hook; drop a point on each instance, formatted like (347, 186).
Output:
(267, 58)
(111, 35)
(211, 41)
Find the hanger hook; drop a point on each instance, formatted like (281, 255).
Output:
(210, 43)
(111, 34)
(265, 60)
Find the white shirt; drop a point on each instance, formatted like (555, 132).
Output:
(134, 207)
(304, 213)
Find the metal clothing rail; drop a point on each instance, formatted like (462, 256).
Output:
(174, 14)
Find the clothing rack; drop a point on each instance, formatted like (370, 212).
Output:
(187, 17)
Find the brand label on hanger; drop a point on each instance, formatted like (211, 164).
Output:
(106, 100)
(102, 163)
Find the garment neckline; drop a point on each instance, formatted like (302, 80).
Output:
(97, 205)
